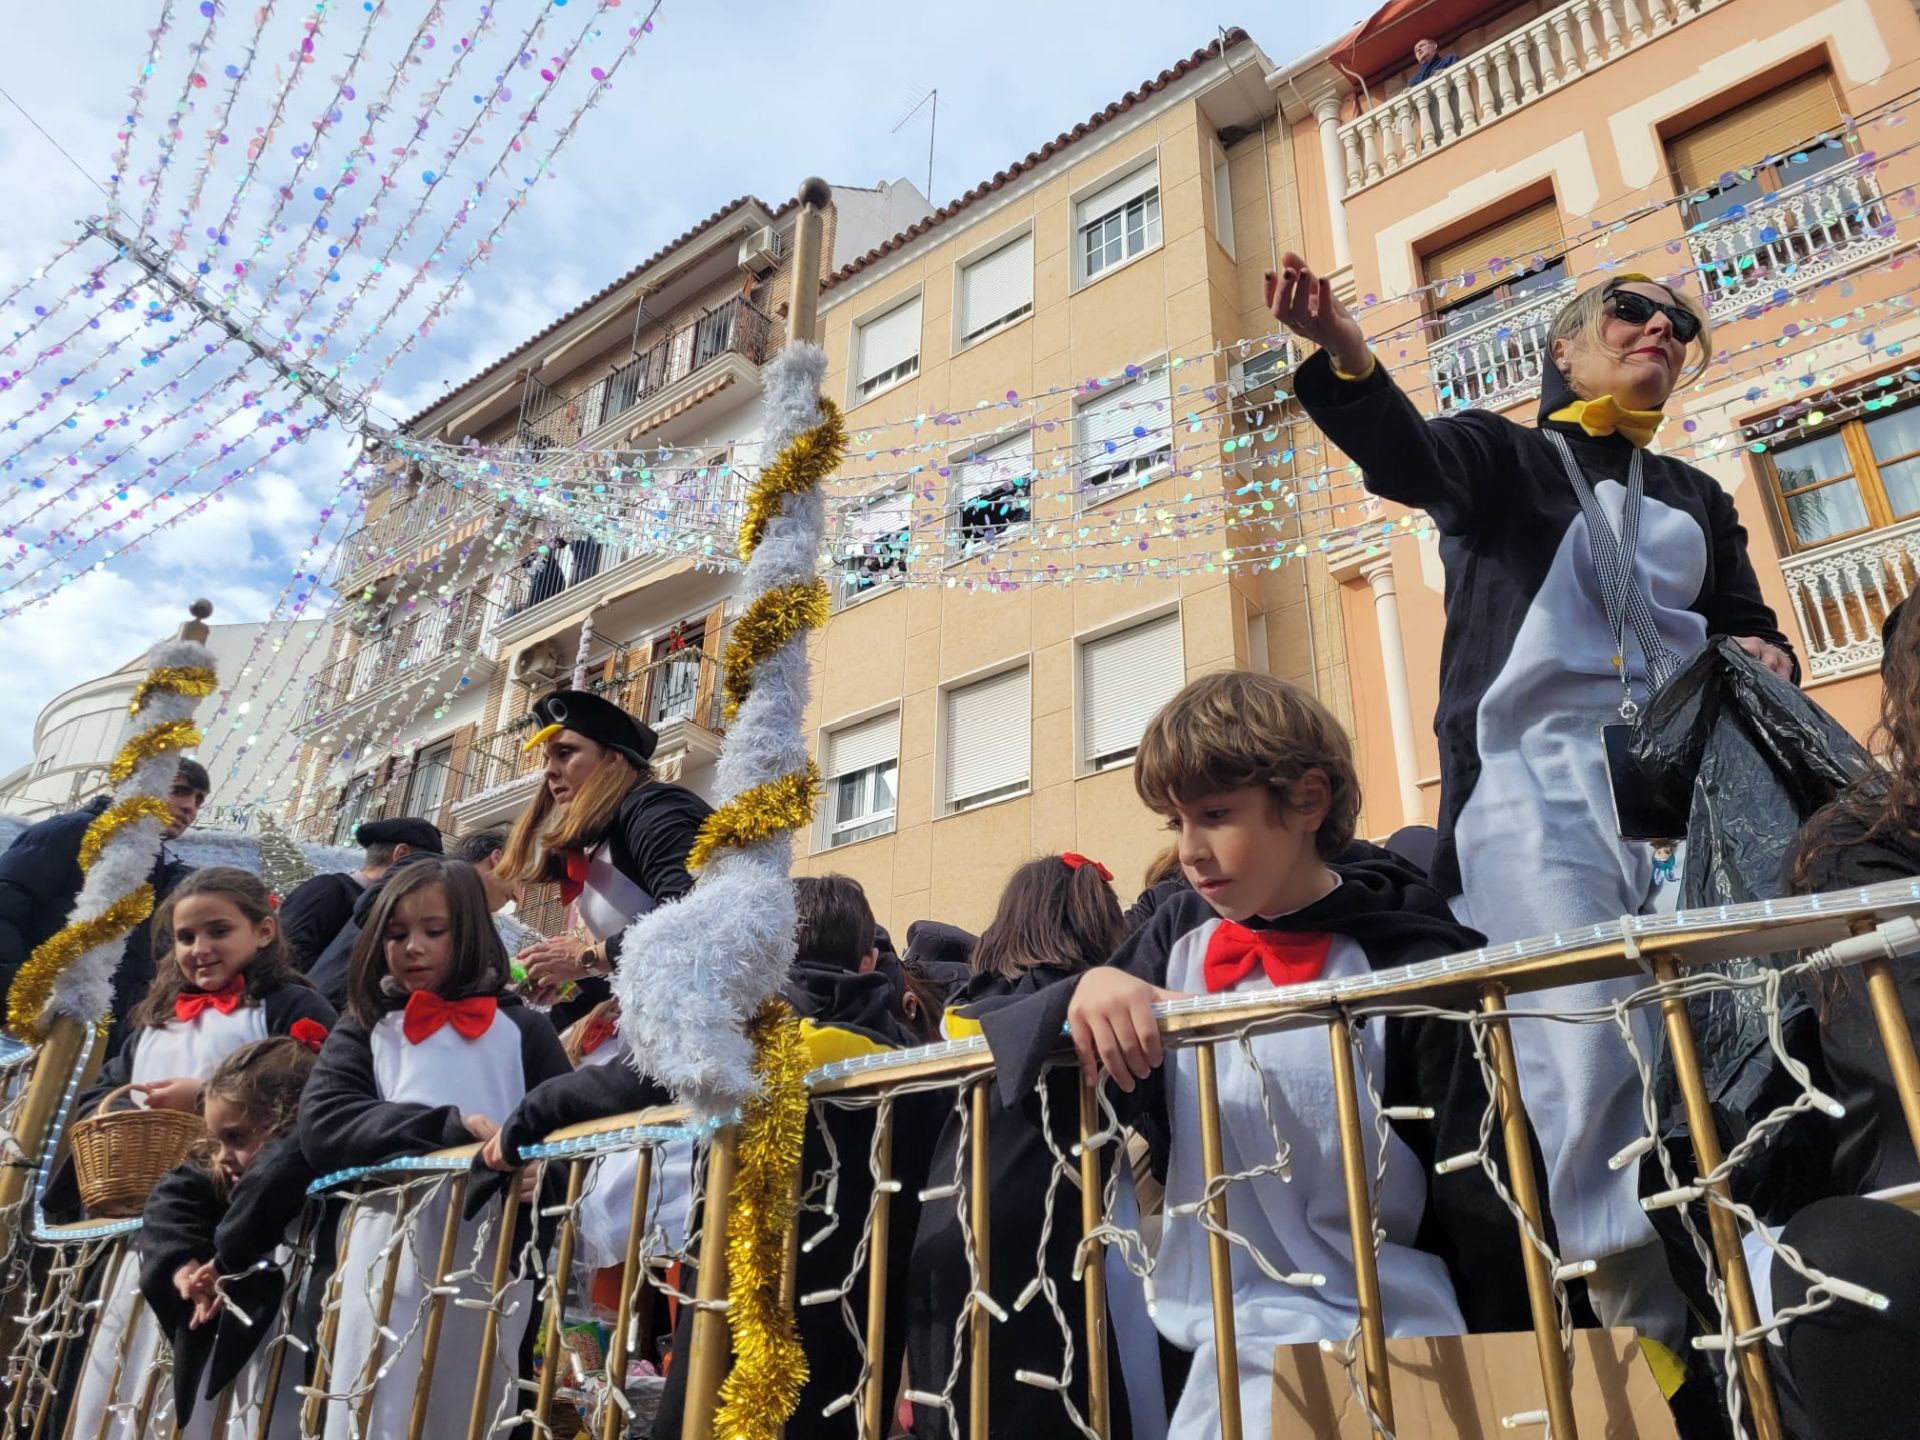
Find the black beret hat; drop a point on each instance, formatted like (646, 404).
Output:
(601, 721)
(402, 830)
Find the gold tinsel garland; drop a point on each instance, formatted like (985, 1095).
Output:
(758, 813)
(115, 818)
(33, 986)
(194, 680)
(808, 459)
(772, 620)
(168, 735)
(769, 1365)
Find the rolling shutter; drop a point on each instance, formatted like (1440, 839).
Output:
(1120, 194)
(996, 467)
(989, 728)
(1768, 125)
(1124, 680)
(1518, 238)
(863, 745)
(996, 287)
(1112, 417)
(889, 340)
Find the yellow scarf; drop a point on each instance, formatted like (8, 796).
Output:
(1603, 415)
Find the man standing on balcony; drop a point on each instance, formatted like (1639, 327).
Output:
(40, 879)
(1430, 61)
(318, 909)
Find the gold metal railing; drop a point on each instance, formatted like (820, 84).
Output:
(505, 1273)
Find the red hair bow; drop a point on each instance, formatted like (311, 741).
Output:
(1074, 862)
(310, 1033)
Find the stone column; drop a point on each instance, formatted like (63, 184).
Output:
(1333, 163)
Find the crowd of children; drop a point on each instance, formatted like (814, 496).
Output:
(1265, 884)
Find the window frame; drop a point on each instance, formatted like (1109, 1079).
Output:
(1865, 475)
(360, 788)
(857, 393)
(423, 757)
(980, 255)
(1223, 199)
(958, 461)
(1085, 763)
(945, 808)
(838, 834)
(1138, 477)
(1083, 222)
(844, 598)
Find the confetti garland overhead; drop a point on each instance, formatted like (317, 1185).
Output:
(71, 973)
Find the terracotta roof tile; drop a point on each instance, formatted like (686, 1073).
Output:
(592, 300)
(1053, 147)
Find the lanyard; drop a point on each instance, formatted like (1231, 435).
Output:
(1613, 555)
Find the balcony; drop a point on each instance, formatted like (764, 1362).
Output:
(1833, 222)
(435, 632)
(1841, 592)
(1497, 361)
(415, 510)
(555, 422)
(679, 695)
(1486, 86)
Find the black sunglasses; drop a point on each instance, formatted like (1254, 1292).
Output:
(1636, 309)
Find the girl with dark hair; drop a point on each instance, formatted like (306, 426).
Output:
(1057, 917)
(614, 838)
(1582, 570)
(224, 981)
(432, 1050)
(227, 1218)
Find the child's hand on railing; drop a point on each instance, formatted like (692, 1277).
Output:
(480, 1127)
(1111, 1017)
(493, 1154)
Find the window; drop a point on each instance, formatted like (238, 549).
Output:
(428, 787)
(1125, 678)
(991, 489)
(997, 289)
(1860, 476)
(988, 733)
(889, 349)
(872, 552)
(1119, 222)
(1222, 199)
(1493, 305)
(1121, 434)
(863, 765)
(1752, 151)
(354, 802)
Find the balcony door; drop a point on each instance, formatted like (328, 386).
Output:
(1491, 308)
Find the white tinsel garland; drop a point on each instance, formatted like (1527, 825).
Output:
(693, 972)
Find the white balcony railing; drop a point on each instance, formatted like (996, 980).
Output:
(1826, 226)
(1841, 593)
(1495, 361)
(1547, 52)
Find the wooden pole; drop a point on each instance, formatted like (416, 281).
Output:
(625, 1322)
(437, 1306)
(1094, 1274)
(803, 314)
(876, 1397)
(979, 1217)
(552, 1351)
(1366, 1269)
(709, 1343)
(1554, 1379)
(490, 1330)
(1213, 1164)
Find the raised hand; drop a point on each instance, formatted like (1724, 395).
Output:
(1304, 302)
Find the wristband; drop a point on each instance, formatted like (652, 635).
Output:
(1365, 370)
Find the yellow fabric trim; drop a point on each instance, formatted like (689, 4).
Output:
(960, 1027)
(1604, 416)
(829, 1044)
(540, 737)
(1668, 1372)
(1372, 365)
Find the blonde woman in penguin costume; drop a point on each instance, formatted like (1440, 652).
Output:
(1582, 569)
(616, 841)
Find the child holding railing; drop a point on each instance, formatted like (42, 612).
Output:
(433, 1047)
(1257, 781)
(214, 1244)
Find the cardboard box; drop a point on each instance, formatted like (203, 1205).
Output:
(1460, 1387)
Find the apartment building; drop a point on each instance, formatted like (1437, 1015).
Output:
(1706, 142)
(980, 714)
(458, 612)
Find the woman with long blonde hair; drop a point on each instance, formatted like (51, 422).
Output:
(613, 837)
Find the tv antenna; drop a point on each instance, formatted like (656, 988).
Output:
(928, 100)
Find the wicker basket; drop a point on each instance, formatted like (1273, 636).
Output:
(120, 1155)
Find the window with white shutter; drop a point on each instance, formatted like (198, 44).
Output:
(1222, 199)
(997, 289)
(871, 554)
(991, 491)
(863, 765)
(988, 732)
(1118, 222)
(1122, 432)
(889, 349)
(1125, 678)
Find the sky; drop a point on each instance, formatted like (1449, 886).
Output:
(713, 101)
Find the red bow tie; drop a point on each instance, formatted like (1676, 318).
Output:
(576, 881)
(600, 1029)
(427, 1012)
(1289, 957)
(226, 1000)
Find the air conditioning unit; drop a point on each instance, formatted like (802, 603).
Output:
(1258, 371)
(543, 667)
(760, 251)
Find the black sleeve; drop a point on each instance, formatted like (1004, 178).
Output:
(1442, 466)
(313, 914)
(343, 1121)
(177, 1228)
(1851, 861)
(1736, 606)
(41, 865)
(542, 1056)
(269, 1198)
(661, 825)
(291, 1003)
